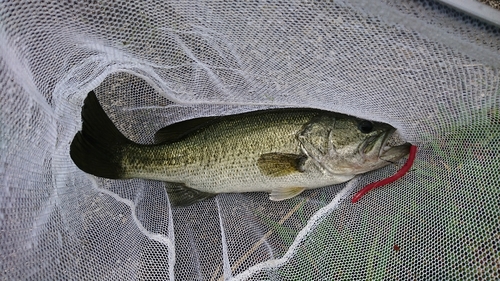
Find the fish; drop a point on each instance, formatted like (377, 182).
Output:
(280, 151)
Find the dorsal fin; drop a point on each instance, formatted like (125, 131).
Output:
(177, 131)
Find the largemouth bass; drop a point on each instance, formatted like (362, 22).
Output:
(279, 151)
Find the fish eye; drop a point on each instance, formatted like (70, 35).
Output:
(365, 126)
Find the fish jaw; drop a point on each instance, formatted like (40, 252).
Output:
(392, 153)
(395, 153)
(381, 155)
(381, 152)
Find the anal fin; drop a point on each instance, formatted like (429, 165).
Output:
(280, 194)
(182, 195)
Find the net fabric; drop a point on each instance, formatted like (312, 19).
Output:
(425, 69)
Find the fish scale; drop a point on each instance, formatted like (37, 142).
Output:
(229, 147)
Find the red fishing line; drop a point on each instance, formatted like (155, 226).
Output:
(406, 167)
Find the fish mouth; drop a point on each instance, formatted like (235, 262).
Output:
(394, 153)
(376, 147)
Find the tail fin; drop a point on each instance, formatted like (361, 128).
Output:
(98, 148)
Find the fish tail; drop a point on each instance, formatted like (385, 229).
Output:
(98, 148)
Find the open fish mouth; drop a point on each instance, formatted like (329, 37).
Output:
(375, 145)
(378, 147)
(383, 146)
(391, 149)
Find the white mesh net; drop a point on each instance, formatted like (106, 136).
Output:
(424, 68)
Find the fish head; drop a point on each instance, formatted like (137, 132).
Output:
(346, 145)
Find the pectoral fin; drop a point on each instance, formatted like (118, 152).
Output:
(280, 164)
(280, 194)
(182, 195)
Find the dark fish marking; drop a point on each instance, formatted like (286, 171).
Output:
(281, 164)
